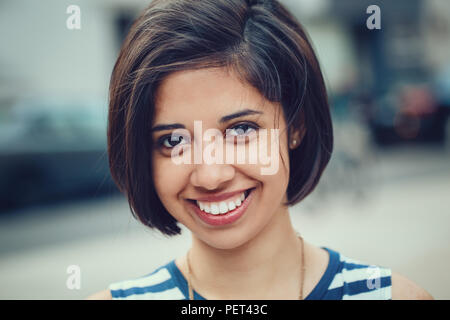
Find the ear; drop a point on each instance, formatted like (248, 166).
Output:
(297, 132)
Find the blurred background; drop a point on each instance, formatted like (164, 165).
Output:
(384, 199)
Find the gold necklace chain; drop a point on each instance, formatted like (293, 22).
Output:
(302, 276)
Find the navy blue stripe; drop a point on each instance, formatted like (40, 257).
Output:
(356, 287)
(334, 294)
(321, 288)
(339, 268)
(352, 288)
(181, 281)
(353, 266)
(168, 284)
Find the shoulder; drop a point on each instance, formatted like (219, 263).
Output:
(101, 295)
(378, 279)
(350, 279)
(405, 289)
(359, 280)
(160, 284)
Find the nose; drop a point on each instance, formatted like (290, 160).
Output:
(211, 176)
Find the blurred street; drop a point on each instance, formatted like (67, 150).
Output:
(398, 218)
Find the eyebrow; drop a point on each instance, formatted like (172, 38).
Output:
(162, 127)
(229, 117)
(239, 114)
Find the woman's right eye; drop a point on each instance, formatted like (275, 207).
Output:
(171, 141)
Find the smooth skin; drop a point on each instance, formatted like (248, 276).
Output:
(257, 256)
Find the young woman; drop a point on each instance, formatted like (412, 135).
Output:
(242, 69)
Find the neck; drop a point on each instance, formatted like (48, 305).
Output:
(268, 264)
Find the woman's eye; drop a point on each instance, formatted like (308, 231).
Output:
(171, 141)
(242, 129)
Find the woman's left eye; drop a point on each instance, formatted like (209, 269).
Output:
(242, 129)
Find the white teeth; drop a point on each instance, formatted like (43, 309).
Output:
(214, 208)
(221, 207)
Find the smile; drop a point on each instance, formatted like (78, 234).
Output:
(223, 212)
(223, 207)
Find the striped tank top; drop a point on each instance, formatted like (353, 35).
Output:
(344, 279)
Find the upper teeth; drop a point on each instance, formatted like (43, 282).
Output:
(222, 206)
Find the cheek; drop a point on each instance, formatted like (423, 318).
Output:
(276, 171)
(169, 179)
(273, 182)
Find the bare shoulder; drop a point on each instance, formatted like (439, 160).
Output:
(102, 295)
(405, 289)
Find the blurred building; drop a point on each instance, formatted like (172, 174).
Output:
(40, 56)
(397, 77)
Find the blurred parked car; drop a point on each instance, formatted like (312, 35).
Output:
(52, 150)
(408, 113)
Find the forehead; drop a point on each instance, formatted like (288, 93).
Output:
(204, 92)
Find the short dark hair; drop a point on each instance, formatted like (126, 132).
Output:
(260, 40)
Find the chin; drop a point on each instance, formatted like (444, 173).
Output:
(228, 239)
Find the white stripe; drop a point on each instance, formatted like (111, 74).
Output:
(349, 276)
(377, 294)
(368, 273)
(170, 294)
(337, 282)
(150, 280)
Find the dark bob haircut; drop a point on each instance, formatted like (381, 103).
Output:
(260, 40)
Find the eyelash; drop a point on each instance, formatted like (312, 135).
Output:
(162, 139)
(251, 125)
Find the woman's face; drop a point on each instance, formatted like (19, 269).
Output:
(215, 98)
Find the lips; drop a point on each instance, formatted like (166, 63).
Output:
(220, 197)
(222, 207)
(223, 212)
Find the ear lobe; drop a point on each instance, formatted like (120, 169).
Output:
(297, 133)
(297, 136)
